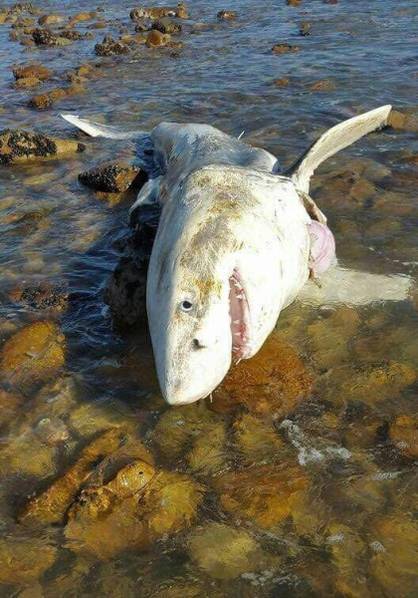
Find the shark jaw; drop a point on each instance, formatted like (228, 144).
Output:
(239, 310)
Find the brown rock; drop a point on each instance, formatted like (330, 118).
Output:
(120, 516)
(156, 39)
(403, 432)
(257, 440)
(32, 71)
(24, 560)
(41, 296)
(224, 552)
(227, 15)
(27, 83)
(323, 85)
(50, 20)
(45, 37)
(111, 47)
(81, 17)
(33, 355)
(305, 28)
(274, 381)
(113, 177)
(180, 11)
(166, 25)
(281, 82)
(51, 505)
(394, 564)
(9, 406)
(263, 495)
(46, 100)
(293, 2)
(284, 48)
(403, 122)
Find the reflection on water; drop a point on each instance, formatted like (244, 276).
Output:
(296, 478)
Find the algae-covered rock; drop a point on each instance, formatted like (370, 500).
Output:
(208, 454)
(264, 495)
(25, 454)
(32, 71)
(51, 505)
(257, 440)
(348, 553)
(377, 383)
(329, 337)
(21, 146)
(9, 406)
(132, 511)
(274, 381)
(394, 564)
(91, 417)
(24, 560)
(178, 428)
(224, 552)
(403, 432)
(33, 355)
(113, 177)
(43, 296)
(111, 47)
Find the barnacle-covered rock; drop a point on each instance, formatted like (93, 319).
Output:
(113, 177)
(21, 146)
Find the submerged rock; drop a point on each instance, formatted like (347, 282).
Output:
(50, 20)
(283, 48)
(32, 71)
(224, 552)
(403, 432)
(227, 15)
(21, 146)
(81, 17)
(257, 440)
(24, 560)
(47, 99)
(167, 25)
(394, 564)
(403, 122)
(323, 85)
(43, 296)
(264, 495)
(274, 381)
(180, 11)
(113, 177)
(156, 39)
(139, 506)
(51, 505)
(33, 355)
(9, 406)
(305, 28)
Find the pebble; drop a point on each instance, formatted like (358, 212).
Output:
(283, 48)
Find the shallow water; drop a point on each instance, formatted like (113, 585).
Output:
(297, 479)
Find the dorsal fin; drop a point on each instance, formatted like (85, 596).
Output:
(334, 140)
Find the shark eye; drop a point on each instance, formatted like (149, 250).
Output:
(186, 305)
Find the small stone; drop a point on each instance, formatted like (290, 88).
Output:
(27, 83)
(281, 82)
(227, 15)
(111, 47)
(32, 71)
(33, 355)
(42, 296)
(305, 28)
(403, 432)
(157, 39)
(50, 20)
(284, 48)
(166, 25)
(81, 17)
(113, 177)
(323, 85)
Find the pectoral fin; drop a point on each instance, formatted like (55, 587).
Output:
(334, 140)
(350, 287)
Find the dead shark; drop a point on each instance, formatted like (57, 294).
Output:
(237, 242)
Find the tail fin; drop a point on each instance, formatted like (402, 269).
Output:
(334, 140)
(98, 130)
(350, 287)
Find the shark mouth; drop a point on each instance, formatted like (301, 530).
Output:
(240, 317)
